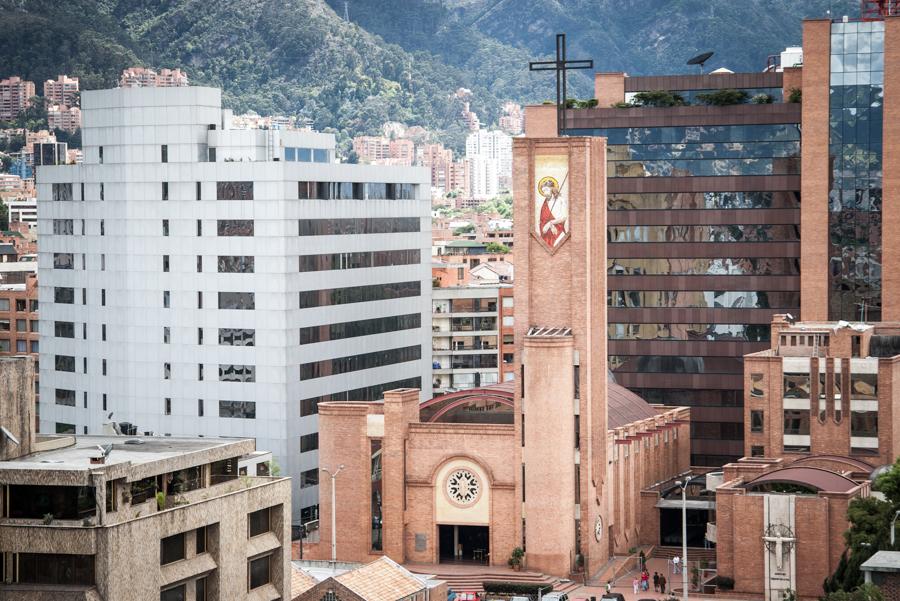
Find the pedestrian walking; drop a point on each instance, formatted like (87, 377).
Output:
(676, 562)
(634, 585)
(645, 580)
(662, 583)
(608, 586)
(656, 582)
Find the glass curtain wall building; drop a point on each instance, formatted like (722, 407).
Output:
(856, 98)
(703, 243)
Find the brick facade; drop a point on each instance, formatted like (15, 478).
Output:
(821, 350)
(819, 523)
(559, 458)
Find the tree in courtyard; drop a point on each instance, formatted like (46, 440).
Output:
(869, 532)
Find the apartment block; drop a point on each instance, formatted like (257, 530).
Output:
(18, 308)
(496, 145)
(370, 149)
(211, 281)
(466, 337)
(378, 150)
(66, 118)
(15, 97)
(133, 517)
(484, 179)
(22, 209)
(63, 90)
(142, 77)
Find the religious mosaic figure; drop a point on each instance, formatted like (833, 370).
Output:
(552, 200)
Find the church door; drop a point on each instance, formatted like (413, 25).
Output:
(464, 544)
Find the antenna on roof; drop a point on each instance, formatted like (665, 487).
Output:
(700, 59)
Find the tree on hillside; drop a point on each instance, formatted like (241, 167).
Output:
(34, 117)
(495, 248)
(13, 143)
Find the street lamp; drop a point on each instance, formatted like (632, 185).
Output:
(684, 563)
(333, 509)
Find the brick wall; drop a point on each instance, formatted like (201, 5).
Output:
(431, 446)
(343, 440)
(565, 287)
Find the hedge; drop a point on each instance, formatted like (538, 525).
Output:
(723, 582)
(513, 588)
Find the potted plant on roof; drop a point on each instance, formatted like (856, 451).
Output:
(515, 558)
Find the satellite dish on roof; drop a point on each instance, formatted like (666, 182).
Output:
(700, 59)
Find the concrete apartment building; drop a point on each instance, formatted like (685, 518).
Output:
(196, 280)
(15, 97)
(22, 209)
(497, 146)
(142, 77)
(467, 350)
(707, 235)
(379, 150)
(66, 118)
(132, 518)
(446, 174)
(63, 90)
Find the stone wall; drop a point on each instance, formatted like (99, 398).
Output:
(17, 405)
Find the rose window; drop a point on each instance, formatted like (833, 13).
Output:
(463, 487)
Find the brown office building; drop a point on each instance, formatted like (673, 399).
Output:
(705, 218)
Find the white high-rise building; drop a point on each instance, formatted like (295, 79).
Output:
(484, 179)
(196, 280)
(495, 145)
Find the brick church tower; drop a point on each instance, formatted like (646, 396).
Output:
(560, 405)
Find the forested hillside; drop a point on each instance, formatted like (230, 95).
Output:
(397, 60)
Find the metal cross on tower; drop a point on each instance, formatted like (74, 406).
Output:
(560, 65)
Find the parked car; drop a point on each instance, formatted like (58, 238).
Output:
(517, 598)
(467, 596)
(554, 596)
(612, 597)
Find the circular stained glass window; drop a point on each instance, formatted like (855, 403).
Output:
(463, 487)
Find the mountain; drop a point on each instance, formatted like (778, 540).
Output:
(639, 37)
(393, 60)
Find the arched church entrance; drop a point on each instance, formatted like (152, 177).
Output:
(462, 512)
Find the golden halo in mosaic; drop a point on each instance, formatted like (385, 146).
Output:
(547, 179)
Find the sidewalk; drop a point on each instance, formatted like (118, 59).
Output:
(623, 584)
